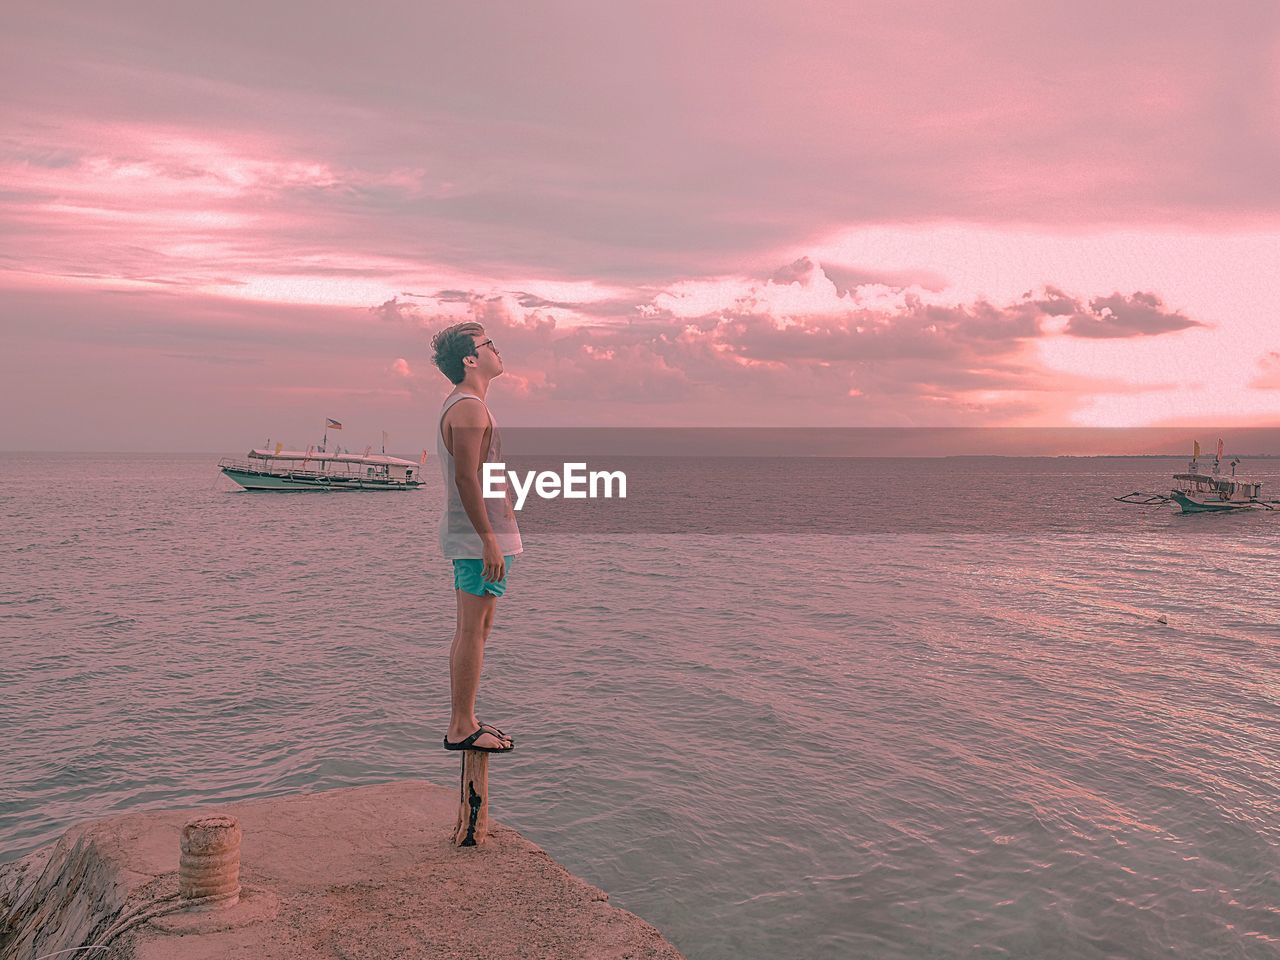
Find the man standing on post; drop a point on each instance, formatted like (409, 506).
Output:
(478, 535)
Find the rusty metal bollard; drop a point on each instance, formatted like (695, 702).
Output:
(210, 864)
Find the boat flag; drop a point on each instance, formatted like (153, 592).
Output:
(279, 447)
(330, 424)
(384, 441)
(423, 461)
(1219, 448)
(1195, 450)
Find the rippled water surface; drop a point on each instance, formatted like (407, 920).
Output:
(879, 746)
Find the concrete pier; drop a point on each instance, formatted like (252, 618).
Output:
(361, 873)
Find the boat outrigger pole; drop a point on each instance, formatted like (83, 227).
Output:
(1143, 499)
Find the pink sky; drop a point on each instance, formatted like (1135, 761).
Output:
(227, 223)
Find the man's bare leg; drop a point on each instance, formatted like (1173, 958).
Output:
(466, 657)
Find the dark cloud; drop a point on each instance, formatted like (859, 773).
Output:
(1139, 315)
(795, 271)
(395, 311)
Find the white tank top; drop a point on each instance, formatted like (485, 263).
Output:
(458, 538)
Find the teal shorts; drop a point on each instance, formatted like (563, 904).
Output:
(468, 576)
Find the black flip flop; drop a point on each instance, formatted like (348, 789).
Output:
(468, 744)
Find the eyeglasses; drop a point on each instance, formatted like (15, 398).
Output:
(487, 343)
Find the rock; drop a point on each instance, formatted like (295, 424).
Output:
(360, 872)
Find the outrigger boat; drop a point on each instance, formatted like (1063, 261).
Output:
(317, 469)
(1198, 492)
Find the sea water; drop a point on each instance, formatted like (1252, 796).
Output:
(886, 741)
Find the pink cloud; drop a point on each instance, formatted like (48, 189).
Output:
(785, 128)
(1268, 377)
(616, 200)
(729, 343)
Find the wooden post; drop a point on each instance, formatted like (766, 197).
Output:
(473, 800)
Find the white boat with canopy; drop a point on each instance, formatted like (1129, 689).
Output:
(316, 469)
